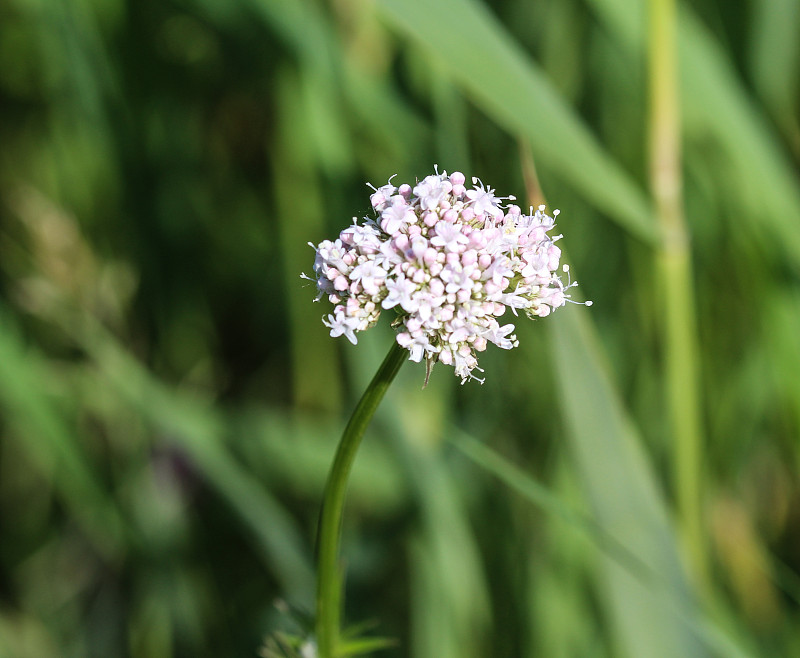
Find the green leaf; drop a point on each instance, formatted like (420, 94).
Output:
(627, 503)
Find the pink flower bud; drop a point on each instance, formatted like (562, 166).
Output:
(429, 258)
(457, 178)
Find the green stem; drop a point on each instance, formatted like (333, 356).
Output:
(329, 581)
(674, 259)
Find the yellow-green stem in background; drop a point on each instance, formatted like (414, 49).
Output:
(675, 270)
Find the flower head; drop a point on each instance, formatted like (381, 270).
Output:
(449, 261)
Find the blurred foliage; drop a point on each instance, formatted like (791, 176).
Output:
(170, 401)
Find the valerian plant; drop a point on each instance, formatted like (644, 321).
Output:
(448, 262)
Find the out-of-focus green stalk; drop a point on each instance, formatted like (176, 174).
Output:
(675, 269)
(329, 581)
(300, 210)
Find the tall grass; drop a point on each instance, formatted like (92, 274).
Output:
(626, 481)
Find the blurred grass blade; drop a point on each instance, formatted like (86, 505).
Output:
(199, 431)
(451, 134)
(615, 550)
(304, 28)
(450, 595)
(340, 90)
(723, 108)
(52, 442)
(715, 103)
(454, 597)
(314, 374)
(510, 88)
(539, 495)
(621, 487)
(366, 645)
(775, 62)
(450, 599)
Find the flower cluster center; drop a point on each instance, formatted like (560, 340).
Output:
(449, 261)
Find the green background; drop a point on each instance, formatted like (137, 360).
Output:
(170, 400)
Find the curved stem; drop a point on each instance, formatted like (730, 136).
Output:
(329, 581)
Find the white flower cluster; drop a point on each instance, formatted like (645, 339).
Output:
(450, 261)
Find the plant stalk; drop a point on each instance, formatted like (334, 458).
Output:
(329, 576)
(675, 268)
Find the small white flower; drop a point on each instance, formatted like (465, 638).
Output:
(417, 344)
(330, 254)
(457, 278)
(497, 335)
(382, 195)
(483, 200)
(364, 236)
(449, 236)
(432, 190)
(340, 324)
(397, 216)
(370, 275)
(400, 292)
